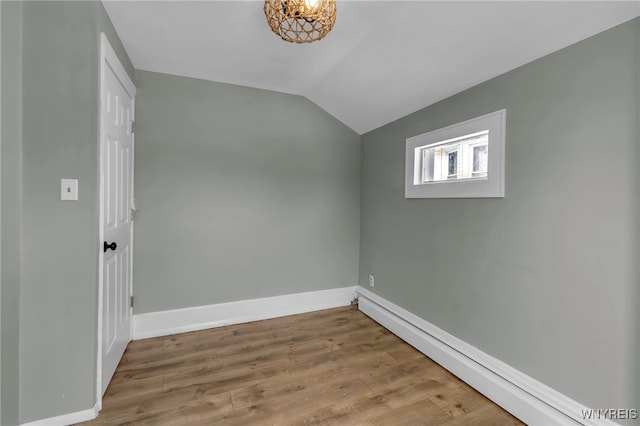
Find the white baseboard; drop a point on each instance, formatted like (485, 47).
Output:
(164, 323)
(67, 419)
(526, 398)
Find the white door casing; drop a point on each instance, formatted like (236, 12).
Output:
(117, 100)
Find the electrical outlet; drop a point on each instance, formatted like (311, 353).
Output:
(371, 281)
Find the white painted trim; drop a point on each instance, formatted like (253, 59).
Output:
(108, 57)
(523, 396)
(164, 323)
(67, 419)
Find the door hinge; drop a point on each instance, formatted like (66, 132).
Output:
(131, 301)
(133, 127)
(133, 214)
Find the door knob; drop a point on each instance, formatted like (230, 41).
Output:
(113, 246)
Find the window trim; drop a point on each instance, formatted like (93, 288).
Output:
(491, 187)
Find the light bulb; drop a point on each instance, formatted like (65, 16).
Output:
(311, 4)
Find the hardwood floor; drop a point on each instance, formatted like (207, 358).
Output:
(329, 367)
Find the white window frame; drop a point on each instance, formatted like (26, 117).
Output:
(490, 187)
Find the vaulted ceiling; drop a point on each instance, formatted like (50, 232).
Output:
(381, 61)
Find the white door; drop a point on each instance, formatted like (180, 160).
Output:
(116, 158)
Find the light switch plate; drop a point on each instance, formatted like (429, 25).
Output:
(69, 189)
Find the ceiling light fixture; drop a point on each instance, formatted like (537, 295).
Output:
(300, 21)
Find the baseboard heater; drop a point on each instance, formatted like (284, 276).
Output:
(523, 396)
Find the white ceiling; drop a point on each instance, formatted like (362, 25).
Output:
(382, 60)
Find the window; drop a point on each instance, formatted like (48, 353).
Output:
(463, 160)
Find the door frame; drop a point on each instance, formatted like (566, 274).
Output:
(108, 56)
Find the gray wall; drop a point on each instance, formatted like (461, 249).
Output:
(542, 279)
(635, 393)
(10, 217)
(243, 193)
(105, 26)
(10, 222)
(59, 240)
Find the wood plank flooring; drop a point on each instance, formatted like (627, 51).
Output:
(333, 367)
